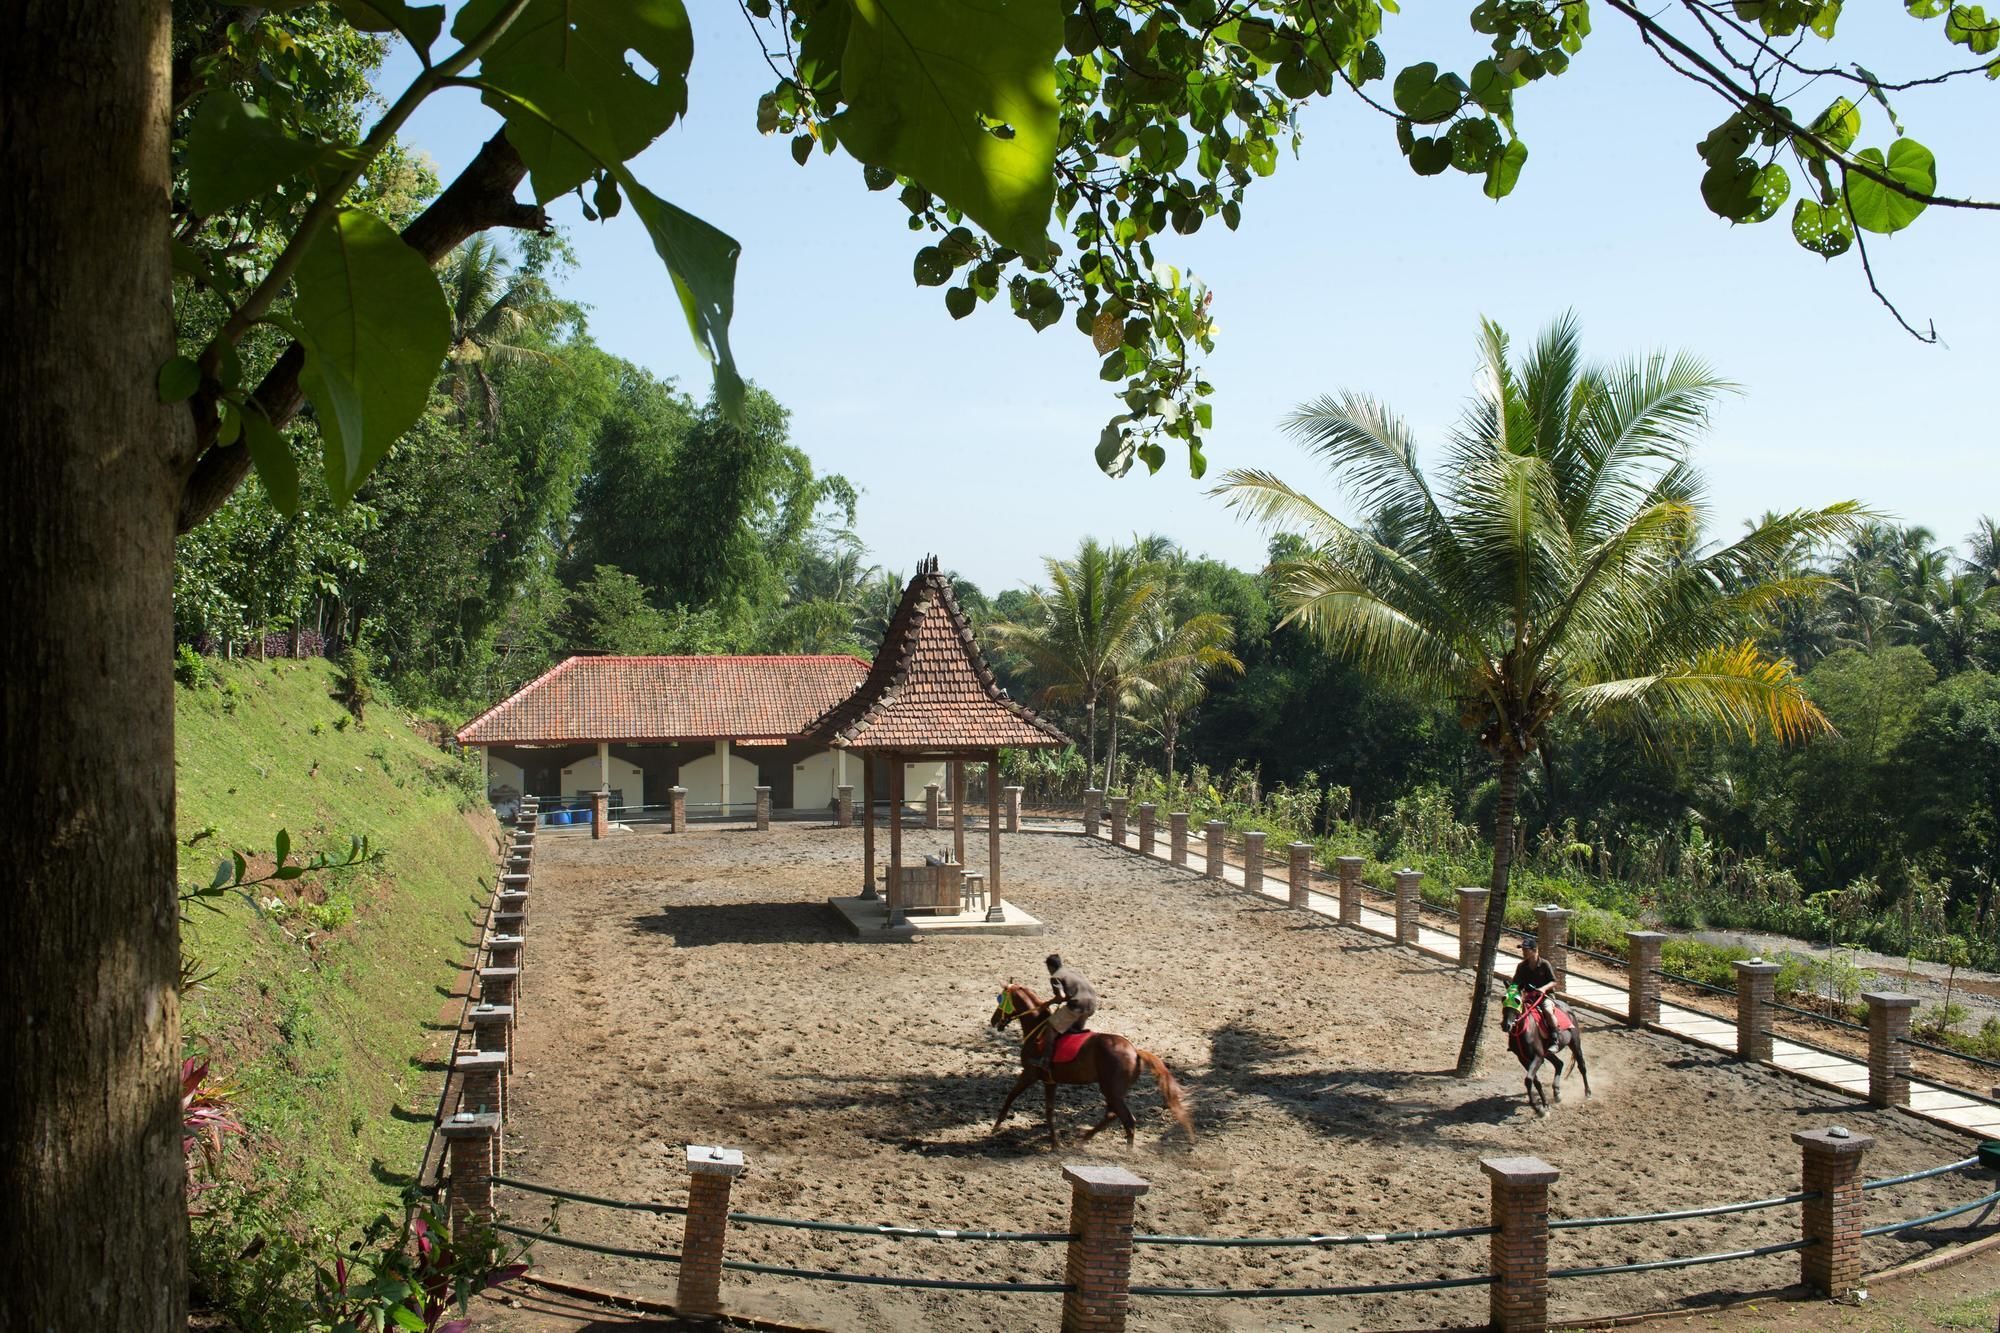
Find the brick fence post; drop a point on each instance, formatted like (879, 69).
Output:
(1642, 976)
(1471, 924)
(1118, 804)
(505, 951)
(1253, 861)
(843, 806)
(1755, 984)
(1888, 1056)
(482, 1090)
(1830, 1170)
(1099, 1270)
(496, 985)
(1177, 823)
(1213, 833)
(492, 1028)
(677, 809)
(1348, 869)
(763, 808)
(1147, 812)
(1011, 807)
(931, 803)
(520, 858)
(468, 1145)
(1298, 873)
(600, 813)
(711, 1171)
(1519, 1296)
(1093, 805)
(1409, 893)
(1552, 940)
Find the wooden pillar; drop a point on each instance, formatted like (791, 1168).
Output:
(992, 833)
(867, 825)
(895, 885)
(958, 811)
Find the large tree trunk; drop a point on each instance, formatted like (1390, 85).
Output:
(1111, 750)
(1090, 734)
(1496, 911)
(91, 1178)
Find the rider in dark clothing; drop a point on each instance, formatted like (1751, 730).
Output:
(1075, 1003)
(1533, 974)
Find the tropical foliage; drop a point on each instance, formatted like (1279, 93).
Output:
(1554, 575)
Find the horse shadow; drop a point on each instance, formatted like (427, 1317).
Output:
(697, 925)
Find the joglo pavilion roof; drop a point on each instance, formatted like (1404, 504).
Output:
(929, 690)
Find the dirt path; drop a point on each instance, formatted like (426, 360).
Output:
(697, 989)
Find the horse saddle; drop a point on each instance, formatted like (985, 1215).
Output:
(1070, 1044)
(1550, 1017)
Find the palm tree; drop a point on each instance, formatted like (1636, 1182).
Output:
(1982, 546)
(1170, 678)
(1085, 631)
(1550, 576)
(493, 320)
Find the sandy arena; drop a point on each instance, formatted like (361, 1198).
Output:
(697, 989)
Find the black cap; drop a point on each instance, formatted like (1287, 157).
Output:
(1055, 961)
(1530, 942)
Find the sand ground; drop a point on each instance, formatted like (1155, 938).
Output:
(697, 989)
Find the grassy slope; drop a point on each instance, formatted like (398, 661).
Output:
(323, 1012)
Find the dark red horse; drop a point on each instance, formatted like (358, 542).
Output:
(1104, 1058)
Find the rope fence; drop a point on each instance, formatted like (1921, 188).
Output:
(1317, 1241)
(1680, 1214)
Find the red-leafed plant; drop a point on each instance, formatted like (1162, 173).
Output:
(419, 1278)
(205, 1119)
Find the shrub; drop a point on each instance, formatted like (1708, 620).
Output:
(354, 690)
(190, 670)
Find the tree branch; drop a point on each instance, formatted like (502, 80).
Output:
(481, 197)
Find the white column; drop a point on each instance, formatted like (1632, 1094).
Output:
(486, 771)
(604, 765)
(840, 767)
(722, 753)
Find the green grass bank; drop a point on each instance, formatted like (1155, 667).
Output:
(322, 1007)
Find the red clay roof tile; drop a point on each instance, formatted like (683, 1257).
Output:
(659, 699)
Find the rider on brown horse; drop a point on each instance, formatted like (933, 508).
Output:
(1536, 981)
(1075, 1003)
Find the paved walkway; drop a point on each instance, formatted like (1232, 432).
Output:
(1928, 1100)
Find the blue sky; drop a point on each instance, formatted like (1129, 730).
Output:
(973, 439)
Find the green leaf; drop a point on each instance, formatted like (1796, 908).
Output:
(702, 261)
(589, 40)
(276, 467)
(376, 331)
(237, 150)
(1926, 9)
(1744, 192)
(1429, 156)
(224, 872)
(419, 25)
(1505, 170)
(1876, 207)
(403, 1317)
(178, 379)
(1969, 27)
(931, 268)
(1838, 125)
(959, 301)
(281, 846)
(1473, 143)
(928, 85)
(1424, 97)
(1821, 228)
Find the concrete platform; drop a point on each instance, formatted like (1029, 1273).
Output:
(869, 919)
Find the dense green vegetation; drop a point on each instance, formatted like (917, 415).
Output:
(315, 1006)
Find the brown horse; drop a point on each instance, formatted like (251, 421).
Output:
(1106, 1059)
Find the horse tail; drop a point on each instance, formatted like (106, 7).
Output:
(1170, 1091)
(1576, 1045)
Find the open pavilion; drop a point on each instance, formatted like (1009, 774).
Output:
(929, 696)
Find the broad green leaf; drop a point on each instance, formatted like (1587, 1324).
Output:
(931, 268)
(281, 846)
(961, 97)
(960, 301)
(702, 261)
(376, 331)
(1878, 208)
(1473, 143)
(591, 41)
(178, 379)
(1821, 228)
(1744, 192)
(224, 872)
(1926, 9)
(1424, 97)
(419, 24)
(276, 467)
(237, 151)
(1429, 156)
(1969, 27)
(1506, 170)
(563, 134)
(1838, 125)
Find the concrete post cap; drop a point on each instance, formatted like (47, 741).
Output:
(1111, 1181)
(1469, 892)
(1834, 1139)
(1645, 936)
(1519, 1170)
(1889, 999)
(1756, 967)
(1215, 825)
(499, 973)
(704, 1160)
(1350, 862)
(677, 791)
(470, 1125)
(1554, 912)
(492, 1012)
(478, 1060)
(1306, 845)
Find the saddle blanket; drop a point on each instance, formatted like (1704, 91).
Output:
(1070, 1044)
(1552, 1020)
